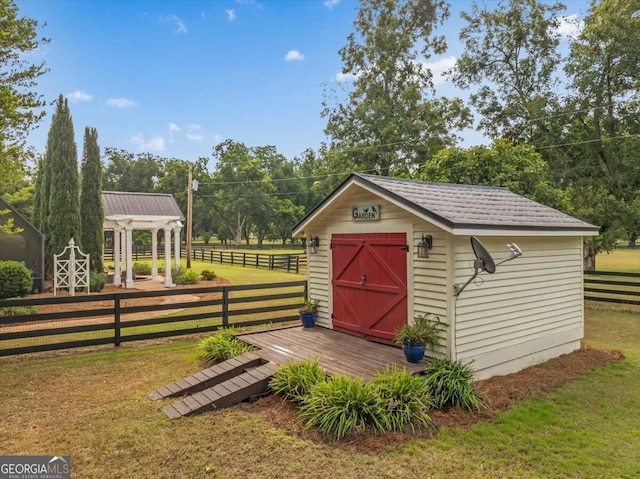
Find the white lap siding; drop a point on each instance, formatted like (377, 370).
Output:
(529, 310)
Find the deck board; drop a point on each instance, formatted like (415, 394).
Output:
(337, 353)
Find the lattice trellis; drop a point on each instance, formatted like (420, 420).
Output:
(71, 273)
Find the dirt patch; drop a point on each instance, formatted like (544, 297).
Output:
(501, 392)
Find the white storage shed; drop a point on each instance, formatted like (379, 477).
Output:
(369, 279)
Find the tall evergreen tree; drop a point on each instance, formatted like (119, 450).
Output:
(37, 200)
(91, 210)
(63, 221)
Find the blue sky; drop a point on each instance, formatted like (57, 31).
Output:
(176, 77)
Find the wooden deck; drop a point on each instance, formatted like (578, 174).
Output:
(338, 353)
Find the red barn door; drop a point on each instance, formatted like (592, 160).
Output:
(369, 284)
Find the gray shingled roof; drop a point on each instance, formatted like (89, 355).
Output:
(140, 204)
(467, 206)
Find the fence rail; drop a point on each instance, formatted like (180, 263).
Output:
(291, 263)
(133, 316)
(603, 287)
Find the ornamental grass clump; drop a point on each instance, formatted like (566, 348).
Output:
(451, 384)
(221, 346)
(342, 406)
(293, 381)
(405, 399)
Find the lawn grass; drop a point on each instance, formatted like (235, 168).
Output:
(94, 407)
(622, 259)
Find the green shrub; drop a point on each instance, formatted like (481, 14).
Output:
(17, 310)
(342, 406)
(294, 380)
(143, 269)
(451, 383)
(221, 346)
(97, 281)
(177, 274)
(15, 279)
(188, 276)
(208, 275)
(405, 399)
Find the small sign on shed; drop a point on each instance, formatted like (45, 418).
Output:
(365, 213)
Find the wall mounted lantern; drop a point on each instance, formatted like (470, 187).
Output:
(314, 242)
(424, 245)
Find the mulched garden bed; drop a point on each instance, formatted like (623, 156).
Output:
(502, 393)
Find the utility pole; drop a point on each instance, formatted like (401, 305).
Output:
(189, 213)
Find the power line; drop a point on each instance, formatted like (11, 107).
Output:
(314, 177)
(546, 117)
(343, 150)
(590, 141)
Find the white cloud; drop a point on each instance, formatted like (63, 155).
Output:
(120, 103)
(293, 55)
(231, 15)
(217, 138)
(79, 95)
(439, 67)
(570, 26)
(173, 129)
(179, 23)
(202, 14)
(342, 77)
(331, 3)
(252, 3)
(154, 144)
(192, 133)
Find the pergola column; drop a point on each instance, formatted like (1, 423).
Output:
(129, 232)
(123, 256)
(168, 282)
(117, 278)
(154, 252)
(176, 246)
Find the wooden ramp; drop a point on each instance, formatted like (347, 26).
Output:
(208, 378)
(227, 393)
(222, 385)
(239, 378)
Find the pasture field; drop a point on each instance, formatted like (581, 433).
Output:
(94, 406)
(621, 259)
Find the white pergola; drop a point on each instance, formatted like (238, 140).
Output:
(126, 212)
(123, 245)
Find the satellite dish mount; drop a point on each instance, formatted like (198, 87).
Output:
(484, 262)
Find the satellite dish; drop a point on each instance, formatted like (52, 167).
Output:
(484, 261)
(484, 258)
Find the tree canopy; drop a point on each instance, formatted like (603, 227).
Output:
(21, 107)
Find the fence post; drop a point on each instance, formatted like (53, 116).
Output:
(306, 290)
(211, 257)
(297, 264)
(244, 259)
(220, 257)
(225, 307)
(232, 258)
(270, 261)
(116, 323)
(257, 260)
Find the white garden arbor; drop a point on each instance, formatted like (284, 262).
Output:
(125, 212)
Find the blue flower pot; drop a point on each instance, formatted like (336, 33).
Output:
(414, 354)
(308, 320)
